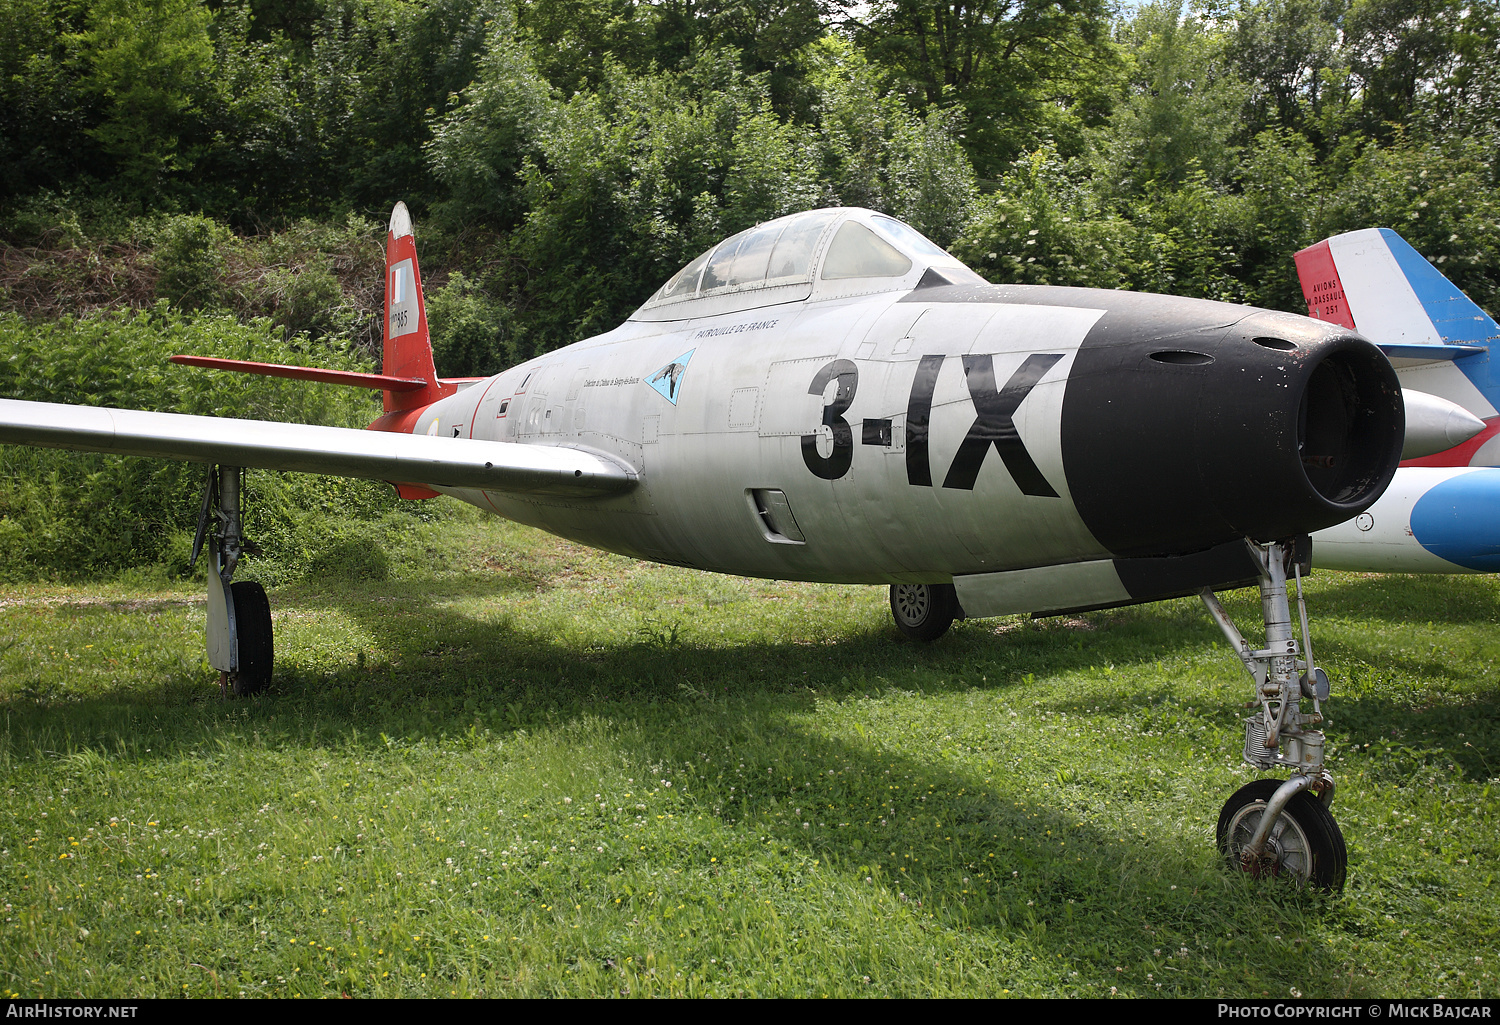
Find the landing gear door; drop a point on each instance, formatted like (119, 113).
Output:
(223, 651)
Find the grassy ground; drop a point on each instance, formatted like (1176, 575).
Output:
(513, 766)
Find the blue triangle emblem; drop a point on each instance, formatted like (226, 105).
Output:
(668, 380)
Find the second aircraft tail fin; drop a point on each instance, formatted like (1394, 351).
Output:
(1439, 340)
(408, 380)
(1375, 283)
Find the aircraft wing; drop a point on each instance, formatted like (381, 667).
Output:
(336, 451)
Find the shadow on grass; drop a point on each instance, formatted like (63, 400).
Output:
(1098, 902)
(1458, 599)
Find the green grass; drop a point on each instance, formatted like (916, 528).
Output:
(512, 766)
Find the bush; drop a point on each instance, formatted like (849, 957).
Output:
(472, 334)
(189, 258)
(304, 301)
(1042, 227)
(1442, 198)
(324, 279)
(65, 514)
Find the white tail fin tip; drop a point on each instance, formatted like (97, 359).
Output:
(400, 221)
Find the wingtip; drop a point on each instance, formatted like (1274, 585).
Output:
(400, 221)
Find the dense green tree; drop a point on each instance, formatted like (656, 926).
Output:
(477, 149)
(1289, 55)
(1182, 105)
(1440, 196)
(150, 65)
(767, 35)
(877, 153)
(1045, 225)
(567, 157)
(632, 181)
(44, 114)
(1285, 207)
(572, 41)
(1396, 50)
(618, 187)
(1466, 103)
(1015, 66)
(473, 334)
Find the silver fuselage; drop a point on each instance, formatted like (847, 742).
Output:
(743, 407)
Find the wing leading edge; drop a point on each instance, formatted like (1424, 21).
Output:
(336, 451)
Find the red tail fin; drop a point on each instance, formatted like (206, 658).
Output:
(409, 379)
(408, 345)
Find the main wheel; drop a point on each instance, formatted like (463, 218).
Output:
(252, 623)
(923, 612)
(1305, 843)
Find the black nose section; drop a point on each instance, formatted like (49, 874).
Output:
(1177, 437)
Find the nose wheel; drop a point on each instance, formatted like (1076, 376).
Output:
(1303, 844)
(1269, 827)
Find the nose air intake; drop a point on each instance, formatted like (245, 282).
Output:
(1291, 426)
(1344, 429)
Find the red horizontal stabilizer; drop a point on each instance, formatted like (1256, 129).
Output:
(379, 381)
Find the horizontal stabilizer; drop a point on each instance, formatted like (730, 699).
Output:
(372, 455)
(243, 366)
(1420, 355)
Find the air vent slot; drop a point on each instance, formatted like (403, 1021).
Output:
(1279, 344)
(1182, 358)
(775, 515)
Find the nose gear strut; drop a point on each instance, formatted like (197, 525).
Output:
(1266, 827)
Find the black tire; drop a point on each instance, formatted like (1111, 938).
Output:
(252, 623)
(923, 612)
(1305, 844)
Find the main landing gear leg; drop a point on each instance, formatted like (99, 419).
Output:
(1268, 827)
(239, 615)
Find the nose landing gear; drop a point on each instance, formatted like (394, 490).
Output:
(1272, 828)
(1303, 843)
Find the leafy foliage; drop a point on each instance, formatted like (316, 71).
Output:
(189, 259)
(473, 335)
(1016, 67)
(150, 64)
(599, 146)
(70, 514)
(617, 187)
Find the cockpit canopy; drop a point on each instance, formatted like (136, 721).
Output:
(818, 254)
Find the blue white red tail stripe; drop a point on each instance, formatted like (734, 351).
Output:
(1374, 282)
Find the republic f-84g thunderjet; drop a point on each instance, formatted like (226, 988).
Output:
(831, 397)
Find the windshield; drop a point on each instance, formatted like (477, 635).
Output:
(910, 237)
(779, 252)
(857, 252)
